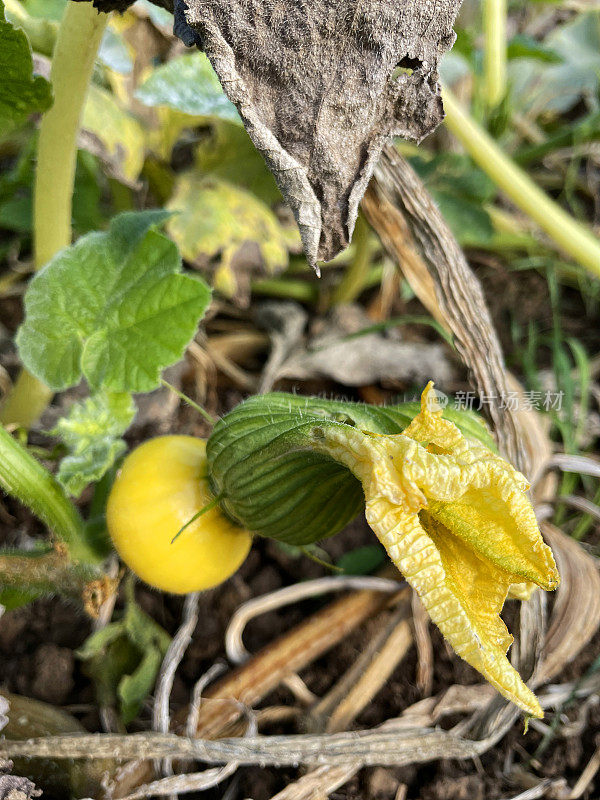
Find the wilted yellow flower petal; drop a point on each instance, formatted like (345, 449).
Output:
(521, 591)
(456, 521)
(429, 427)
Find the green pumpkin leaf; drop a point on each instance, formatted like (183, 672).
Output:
(114, 308)
(16, 598)
(46, 9)
(21, 92)
(522, 46)
(461, 190)
(123, 659)
(538, 87)
(134, 689)
(362, 560)
(143, 631)
(16, 194)
(41, 32)
(152, 641)
(97, 642)
(92, 432)
(188, 84)
(469, 221)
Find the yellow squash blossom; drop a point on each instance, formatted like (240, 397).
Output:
(455, 520)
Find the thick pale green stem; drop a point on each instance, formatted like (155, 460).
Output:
(23, 477)
(79, 38)
(26, 402)
(494, 25)
(356, 274)
(572, 237)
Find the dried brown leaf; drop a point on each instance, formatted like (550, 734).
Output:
(410, 221)
(321, 86)
(338, 349)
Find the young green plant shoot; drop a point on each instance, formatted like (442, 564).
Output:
(452, 514)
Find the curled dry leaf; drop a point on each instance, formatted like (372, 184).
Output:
(340, 350)
(321, 86)
(570, 630)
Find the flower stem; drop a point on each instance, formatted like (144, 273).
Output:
(79, 38)
(23, 477)
(571, 236)
(494, 24)
(202, 411)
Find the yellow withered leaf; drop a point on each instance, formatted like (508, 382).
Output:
(455, 520)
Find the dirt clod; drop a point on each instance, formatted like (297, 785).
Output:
(53, 673)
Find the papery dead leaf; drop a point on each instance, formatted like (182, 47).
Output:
(321, 86)
(337, 352)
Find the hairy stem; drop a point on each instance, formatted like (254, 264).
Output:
(571, 236)
(23, 477)
(79, 38)
(43, 574)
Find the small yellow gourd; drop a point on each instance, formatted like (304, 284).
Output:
(160, 487)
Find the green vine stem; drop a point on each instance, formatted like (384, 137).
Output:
(43, 574)
(26, 402)
(353, 282)
(23, 477)
(79, 38)
(570, 235)
(494, 25)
